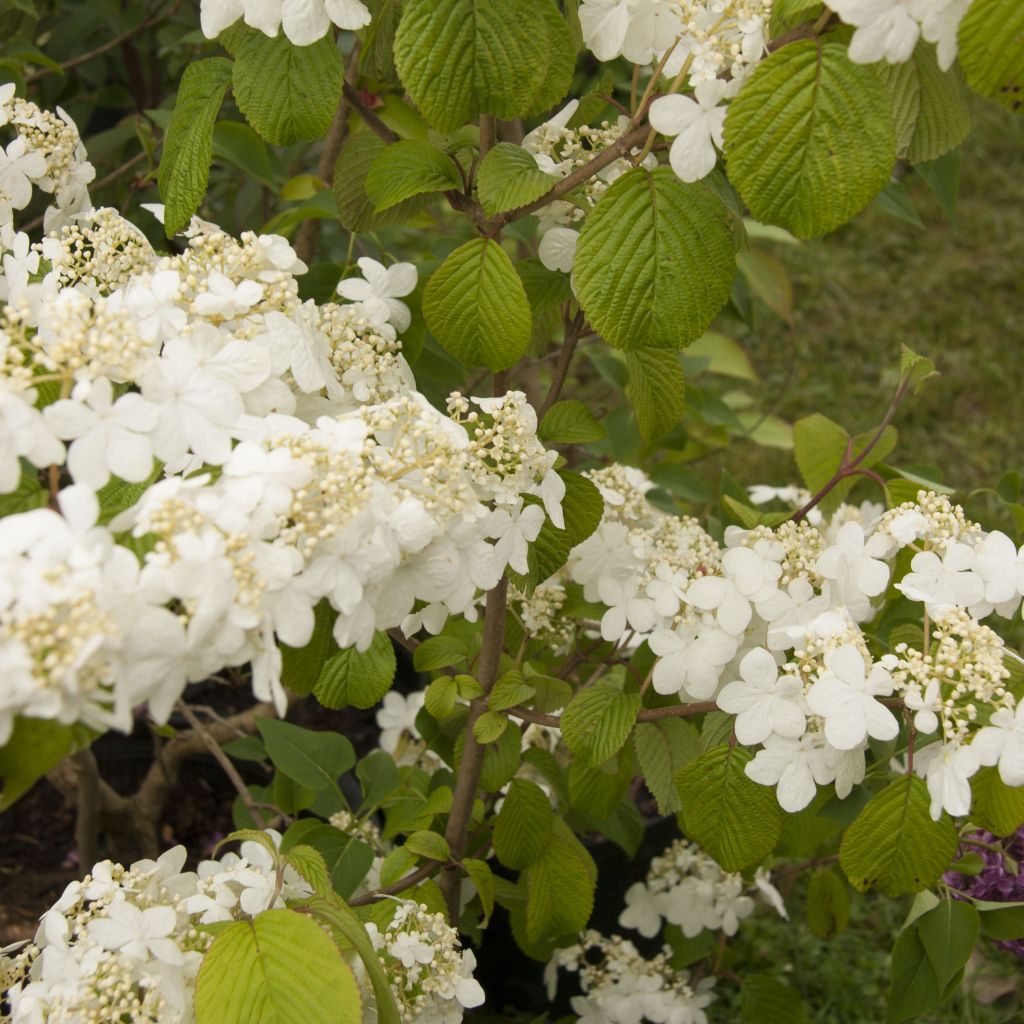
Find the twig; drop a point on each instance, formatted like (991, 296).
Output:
(225, 762)
(422, 873)
(573, 332)
(488, 134)
(157, 16)
(468, 774)
(372, 121)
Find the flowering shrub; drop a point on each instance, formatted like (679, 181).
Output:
(211, 469)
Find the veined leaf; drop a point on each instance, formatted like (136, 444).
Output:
(508, 178)
(313, 759)
(736, 820)
(894, 844)
(991, 50)
(188, 144)
(570, 422)
(406, 169)
(251, 973)
(655, 261)
(357, 678)
(662, 747)
(288, 92)
(656, 390)
(475, 305)
(810, 138)
(560, 888)
(522, 831)
(598, 721)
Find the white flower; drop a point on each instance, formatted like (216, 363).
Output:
(304, 21)
(637, 29)
(844, 695)
(793, 766)
(19, 165)
(940, 23)
(23, 432)
(721, 595)
(948, 769)
(557, 250)
(886, 29)
(223, 298)
(108, 437)
(1002, 742)
(137, 933)
(397, 716)
(515, 531)
(692, 658)
(1001, 567)
(925, 705)
(697, 124)
(941, 582)
(755, 570)
(668, 589)
(763, 703)
(627, 610)
(855, 566)
(381, 290)
(410, 948)
(643, 910)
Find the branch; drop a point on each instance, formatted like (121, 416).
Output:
(645, 715)
(615, 151)
(372, 121)
(148, 22)
(468, 775)
(224, 761)
(573, 333)
(413, 879)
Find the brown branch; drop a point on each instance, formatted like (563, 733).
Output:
(468, 774)
(87, 810)
(615, 151)
(573, 332)
(372, 121)
(645, 715)
(224, 761)
(148, 22)
(422, 873)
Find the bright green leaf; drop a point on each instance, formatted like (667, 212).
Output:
(810, 138)
(438, 652)
(357, 678)
(476, 307)
(656, 390)
(598, 721)
(406, 169)
(569, 422)
(991, 50)
(655, 261)
(522, 831)
(508, 178)
(429, 845)
(662, 747)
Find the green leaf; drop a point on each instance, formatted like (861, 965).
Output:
(828, 904)
(810, 138)
(769, 281)
(948, 933)
(560, 888)
(942, 176)
(736, 820)
(501, 759)
(188, 144)
(440, 696)
(991, 45)
(476, 307)
(33, 748)
(357, 678)
(509, 691)
(820, 445)
(301, 666)
(894, 844)
(655, 261)
(409, 168)
(489, 727)
(656, 390)
(377, 58)
(995, 806)
(237, 144)
(378, 776)
(251, 974)
(767, 1001)
(598, 721)
(550, 694)
(1001, 921)
(569, 422)
(928, 105)
(582, 508)
(27, 496)
(595, 792)
(340, 917)
(662, 747)
(914, 990)
(509, 178)
(309, 863)
(522, 831)
(355, 209)
(460, 58)
(438, 652)
(288, 92)
(480, 874)
(429, 845)
(312, 759)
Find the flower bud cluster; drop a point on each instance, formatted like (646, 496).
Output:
(124, 943)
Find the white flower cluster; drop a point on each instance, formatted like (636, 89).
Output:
(46, 155)
(621, 986)
(770, 628)
(889, 29)
(430, 976)
(558, 151)
(298, 463)
(123, 944)
(689, 889)
(303, 21)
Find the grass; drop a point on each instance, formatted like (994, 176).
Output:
(952, 292)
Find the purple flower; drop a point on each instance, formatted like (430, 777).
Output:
(1000, 880)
